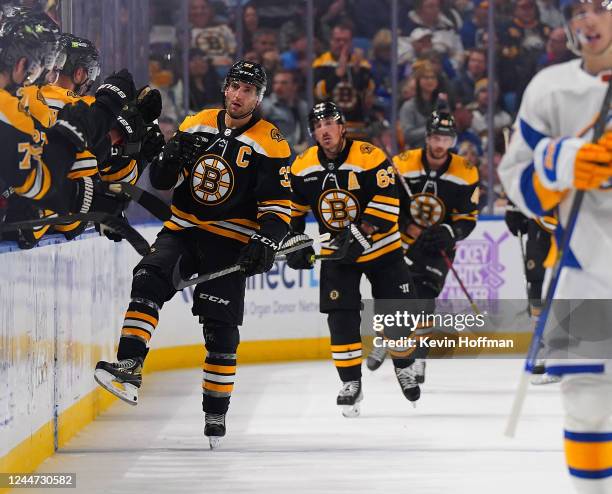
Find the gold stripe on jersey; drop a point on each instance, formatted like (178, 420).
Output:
(278, 207)
(382, 243)
(471, 216)
(298, 210)
(383, 207)
(85, 165)
(238, 229)
(127, 174)
(14, 114)
(204, 121)
(37, 183)
(67, 228)
(327, 60)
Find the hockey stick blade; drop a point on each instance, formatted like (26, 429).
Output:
(128, 232)
(180, 283)
(148, 201)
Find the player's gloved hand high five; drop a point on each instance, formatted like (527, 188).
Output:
(299, 259)
(153, 143)
(516, 221)
(437, 238)
(93, 195)
(116, 91)
(149, 104)
(353, 241)
(257, 256)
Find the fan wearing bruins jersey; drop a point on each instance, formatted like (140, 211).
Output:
(34, 161)
(349, 187)
(231, 205)
(441, 209)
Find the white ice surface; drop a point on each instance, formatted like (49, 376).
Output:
(286, 435)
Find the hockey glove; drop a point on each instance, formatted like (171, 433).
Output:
(96, 196)
(300, 259)
(516, 221)
(108, 232)
(132, 129)
(437, 238)
(354, 241)
(149, 104)
(152, 144)
(116, 91)
(257, 256)
(74, 125)
(592, 166)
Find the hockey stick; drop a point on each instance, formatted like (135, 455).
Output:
(180, 283)
(447, 260)
(128, 232)
(148, 201)
(536, 339)
(524, 257)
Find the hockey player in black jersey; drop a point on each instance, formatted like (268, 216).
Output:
(231, 204)
(35, 160)
(440, 208)
(350, 188)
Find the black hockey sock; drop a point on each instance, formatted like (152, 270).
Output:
(139, 324)
(346, 343)
(218, 381)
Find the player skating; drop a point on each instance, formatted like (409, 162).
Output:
(551, 158)
(231, 204)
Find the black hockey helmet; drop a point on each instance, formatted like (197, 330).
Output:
(321, 111)
(26, 36)
(80, 52)
(441, 123)
(249, 73)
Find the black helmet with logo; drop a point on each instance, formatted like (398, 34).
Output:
(441, 123)
(321, 111)
(80, 52)
(249, 73)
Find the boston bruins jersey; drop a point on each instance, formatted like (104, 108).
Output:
(448, 195)
(357, 186)
(239, 182)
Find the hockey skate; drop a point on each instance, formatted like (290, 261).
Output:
(376, 358)
(121, 378)
(419, 367)
(539, 375)
(349, 397)
(407, 379)
(214, 428)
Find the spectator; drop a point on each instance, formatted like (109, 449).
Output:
(344, 76)
(479, 108)
(411, 48)
(408, 89)
(414, 113)
(446, 40)
(336, 12)
(475, 26)
(474, 69)
(463, 122)
(522, 43)
(265, 52)
(250, 22)
(161, 77)
(550, 14)
(215, 39)
(285, 109)
(204, 83)
(556, 49)
(381, 69)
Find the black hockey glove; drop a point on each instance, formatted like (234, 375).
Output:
(96, 196)
(516, 221)
(182, 150)
(149, 104)
(299, 259)
(116, 91)
(132, 128)
(257, 256)
(152, 144)
(108, 232)
(74, 124)
(437, 238)
(353, 241)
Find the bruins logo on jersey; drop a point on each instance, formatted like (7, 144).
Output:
(212, 180)
(427, 209)
(345, 96)
(366, 148)
(338, 208)
(276, 135)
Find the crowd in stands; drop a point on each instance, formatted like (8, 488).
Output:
(442, 62)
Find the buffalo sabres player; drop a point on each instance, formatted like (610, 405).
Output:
(439, 208)
(350, 188)
(35, 161)
(551, 156)
(231, 205)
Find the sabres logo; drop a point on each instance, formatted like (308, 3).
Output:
(427, 209)
(338, 208)
(212, 180)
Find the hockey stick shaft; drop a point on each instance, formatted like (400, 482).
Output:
(524, 259)
(148, 201)
(536, 339)
(180, 283)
